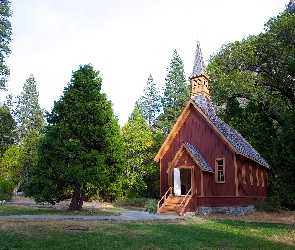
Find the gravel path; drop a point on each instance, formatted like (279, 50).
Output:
(124, 215)
(128, 215)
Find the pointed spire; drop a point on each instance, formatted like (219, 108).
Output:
(199, 67)
(291, 6)
(199, 78)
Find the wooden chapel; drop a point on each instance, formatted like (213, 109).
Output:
(205, 165)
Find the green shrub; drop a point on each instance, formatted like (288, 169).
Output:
(131, 202)
(151, 206)
(6, 190)
(266, 206)
(148, 205)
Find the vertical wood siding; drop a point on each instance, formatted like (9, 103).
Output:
(256, 189)
(197, 132)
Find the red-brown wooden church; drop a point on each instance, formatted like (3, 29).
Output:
(205, 165)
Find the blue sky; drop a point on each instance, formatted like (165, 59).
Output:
(126, 40)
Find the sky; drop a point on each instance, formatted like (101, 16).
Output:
(126, 40)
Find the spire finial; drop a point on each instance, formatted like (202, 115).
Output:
(199, 67)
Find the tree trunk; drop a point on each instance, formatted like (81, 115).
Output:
(81, 199)
(77, 200)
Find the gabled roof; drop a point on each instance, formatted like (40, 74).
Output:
(231, 137)
(199, 68)
(195, 155)
(236, 139)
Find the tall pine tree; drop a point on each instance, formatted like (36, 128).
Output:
(7, 129)
(6, 31)
(150, 102)
(176, 94)
(29, 115)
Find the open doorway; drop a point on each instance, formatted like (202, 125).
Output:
(185, 178)
(182, 180)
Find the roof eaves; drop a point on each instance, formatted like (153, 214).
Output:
(198, 158)
(230, 136)
(181, 119)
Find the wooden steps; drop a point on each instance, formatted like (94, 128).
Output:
(171, 206)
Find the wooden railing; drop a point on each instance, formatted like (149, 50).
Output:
(164, 198)
(185, 201)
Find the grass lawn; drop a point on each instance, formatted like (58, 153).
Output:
(191, 233)
(50, 210)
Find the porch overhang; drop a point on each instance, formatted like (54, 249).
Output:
(195, 156)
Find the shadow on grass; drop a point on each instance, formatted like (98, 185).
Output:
(52, 210)
(180, 234)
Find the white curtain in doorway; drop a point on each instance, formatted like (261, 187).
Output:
(177, 182)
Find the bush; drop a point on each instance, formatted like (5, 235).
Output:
(6, 190)
(151, 206)
(148, 205)
(263, 205)
(131, 202)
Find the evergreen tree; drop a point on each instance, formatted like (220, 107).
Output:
(138, 141)
(81, 147)
(150, 102)
(6, 31)
(9, 104)
(7, 129)
(28, 112)
(176, 94)
(28, 155)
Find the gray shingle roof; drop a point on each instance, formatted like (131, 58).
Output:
(199, 67)
(236, 139)
(198, 156)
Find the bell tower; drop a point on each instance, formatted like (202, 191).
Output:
(199, 78)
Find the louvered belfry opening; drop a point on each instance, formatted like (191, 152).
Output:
(199, 77)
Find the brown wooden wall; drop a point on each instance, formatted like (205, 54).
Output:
(255, 186)
(198, 132)
(225, 201)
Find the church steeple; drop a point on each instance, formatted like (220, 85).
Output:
(199, 78)
(291, 6)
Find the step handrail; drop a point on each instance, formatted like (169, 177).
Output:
(185, 200)
(164, 198)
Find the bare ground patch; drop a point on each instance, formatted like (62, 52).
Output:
(286, 217)
(76, 228)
